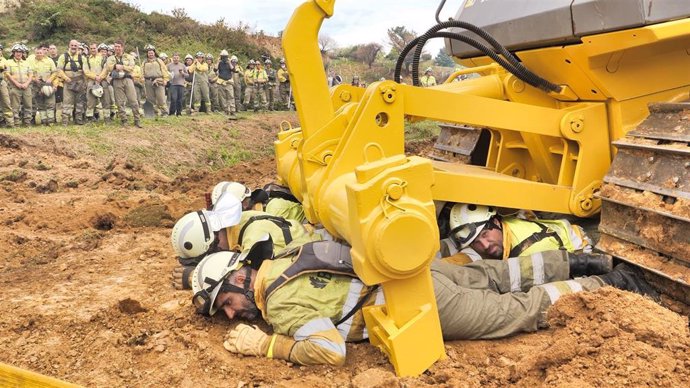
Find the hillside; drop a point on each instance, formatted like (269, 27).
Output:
(58, 21)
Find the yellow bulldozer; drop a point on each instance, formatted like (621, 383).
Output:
(582, 104)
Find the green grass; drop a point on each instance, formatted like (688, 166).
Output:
(421, 130)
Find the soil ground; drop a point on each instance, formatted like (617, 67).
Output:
(86, 260)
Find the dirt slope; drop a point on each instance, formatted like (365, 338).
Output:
(86, 258)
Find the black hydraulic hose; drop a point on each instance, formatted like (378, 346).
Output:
(528, 75)
(438, 11)
(453, 35)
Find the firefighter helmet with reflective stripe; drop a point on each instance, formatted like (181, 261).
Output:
(149, 47)
(237, 190)
(192, 235)
(233, 59)
(209, 277)
(467, 221)
(224, 53)
(209, 56)
(102, 46)
(188, 56)
(199, 54)
(97, 90)
(163, 56)
(47, 90)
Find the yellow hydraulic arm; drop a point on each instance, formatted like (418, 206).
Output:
(548, 151)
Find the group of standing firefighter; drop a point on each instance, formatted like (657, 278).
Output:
(92, 82)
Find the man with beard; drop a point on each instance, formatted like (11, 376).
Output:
(71, 69)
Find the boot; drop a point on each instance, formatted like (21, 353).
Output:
(123, 123)
(629, 278)
(587, 264)
(137, 124)
(78, 120)
(65, 120)
(232, 116)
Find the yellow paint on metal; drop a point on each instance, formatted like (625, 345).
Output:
(547, 151)
(11, 376)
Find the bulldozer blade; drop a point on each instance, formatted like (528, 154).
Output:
(645, 214)
(455, 143)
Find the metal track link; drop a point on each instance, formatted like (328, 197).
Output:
(645, 214)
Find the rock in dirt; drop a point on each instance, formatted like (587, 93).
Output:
(375, 378)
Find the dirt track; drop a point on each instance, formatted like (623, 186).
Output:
(86, 293)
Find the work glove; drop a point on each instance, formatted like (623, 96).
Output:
(247, 340)
(181, 277)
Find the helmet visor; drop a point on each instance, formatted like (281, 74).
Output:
(464, 234)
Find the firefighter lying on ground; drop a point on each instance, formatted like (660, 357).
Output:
(312, 299)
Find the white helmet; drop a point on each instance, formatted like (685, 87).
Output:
(224, 53)
(163, 56)
(428, 70)
(237, 189)
(194, 234)
(188, 56)
(97, 90)
(208, 278)
(47, 90)
(233, 59)
(467, 221)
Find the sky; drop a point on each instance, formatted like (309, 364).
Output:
(354, 21)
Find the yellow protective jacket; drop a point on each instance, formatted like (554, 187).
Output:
(304, 310)
(44, 70)
(524, 237)
(20, 71)
(71, 66)
(287, 209)
(200, 68)
(283, 75)
(96, 64)
(126, 60)
(255, 224)
(155, 68)
(427, 80)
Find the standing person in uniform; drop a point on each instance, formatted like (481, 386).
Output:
(45, 73)
(284, 85)
(200, 70)
(226, 86)
(19, 74)
(138, 78)
(271, 84)
(249, 91)
(178, 73)
(213, 83)
(120, 67)
(97, 87)
(260, 83)
(155, 77)
(427, 79)
(189, 82)
(5, 103)
(71, 69)
(237, 79)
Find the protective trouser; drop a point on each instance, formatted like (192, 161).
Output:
(237, 86)
(497, 298)
(188, 97)
(249, 96)
(126, 96)
(73, 99)
(21, 98)
(92, 101)
(176, 99)
(226, 95)
(45, 106)
(257, 94)
(6, 103)
(201, 93)
(155, 94)
(284, 90)
(213, 95)
(270, 94)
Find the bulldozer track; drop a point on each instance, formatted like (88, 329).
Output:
(645, 216)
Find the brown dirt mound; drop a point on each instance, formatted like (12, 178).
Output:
(84, 273)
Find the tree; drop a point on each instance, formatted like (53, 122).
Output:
(399, 37)
(367, 53)
(443, 59)
(326, 45)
